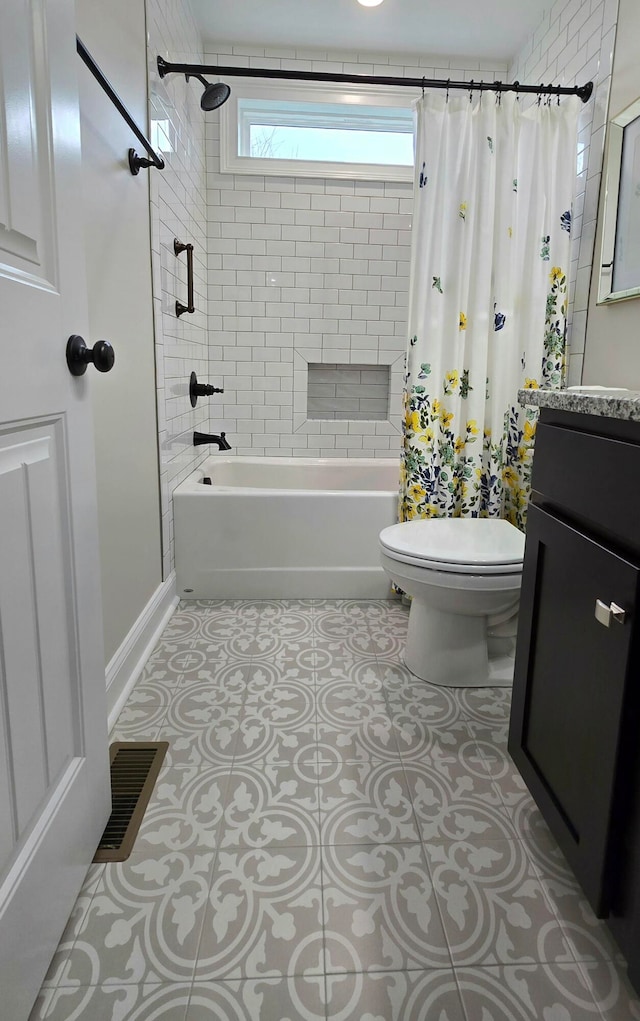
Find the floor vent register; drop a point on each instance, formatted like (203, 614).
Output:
(134, 770)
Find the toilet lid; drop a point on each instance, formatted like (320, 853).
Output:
(463, 545)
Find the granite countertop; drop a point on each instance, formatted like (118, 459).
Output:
(609, 403)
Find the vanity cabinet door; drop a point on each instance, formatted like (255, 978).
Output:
(569, 686)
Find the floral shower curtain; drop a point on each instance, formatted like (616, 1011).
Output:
(488, 299)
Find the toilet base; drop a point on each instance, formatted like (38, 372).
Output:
(453, 650)
(502, 656)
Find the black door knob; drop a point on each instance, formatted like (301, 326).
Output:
(79, 355)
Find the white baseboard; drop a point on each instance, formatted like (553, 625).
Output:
(127, 664)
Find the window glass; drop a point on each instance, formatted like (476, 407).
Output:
(327, 131)
(269, 129)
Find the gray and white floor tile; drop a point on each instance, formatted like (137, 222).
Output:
(329, 838)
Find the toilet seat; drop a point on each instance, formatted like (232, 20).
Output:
(472, 546)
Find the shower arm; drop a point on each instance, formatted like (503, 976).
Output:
(583, 91)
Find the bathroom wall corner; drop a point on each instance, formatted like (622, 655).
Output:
(178, 210)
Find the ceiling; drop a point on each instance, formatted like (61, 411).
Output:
(487, 29)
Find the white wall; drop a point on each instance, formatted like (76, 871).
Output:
(612, 353)
(574, 44)
(178, 209)
(308, 270)
(116, 214)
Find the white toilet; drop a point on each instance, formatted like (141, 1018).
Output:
(464, 576)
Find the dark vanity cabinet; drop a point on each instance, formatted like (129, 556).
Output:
(575, 719)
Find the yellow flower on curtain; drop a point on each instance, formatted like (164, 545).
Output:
(426, 436)
(516, 504)
(531, 384)
(555, 274)
(510, 476)
(472, 427)
(529, 431)
(416, 493)
(462, 325)
(451, 381)
(459, 445)
(446, 417)
(413, 420)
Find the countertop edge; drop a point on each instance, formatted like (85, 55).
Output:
(623, 405)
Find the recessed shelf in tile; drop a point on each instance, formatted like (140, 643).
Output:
(348, 392)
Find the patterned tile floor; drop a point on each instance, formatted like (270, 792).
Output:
(329, 838)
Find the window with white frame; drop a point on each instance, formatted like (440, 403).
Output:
(318, 131)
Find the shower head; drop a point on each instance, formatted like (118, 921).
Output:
(215, 93)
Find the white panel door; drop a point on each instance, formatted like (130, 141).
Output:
(54, 777)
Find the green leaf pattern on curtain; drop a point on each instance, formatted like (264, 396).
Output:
(488, 301)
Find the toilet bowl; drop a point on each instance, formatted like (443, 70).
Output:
(463, 575)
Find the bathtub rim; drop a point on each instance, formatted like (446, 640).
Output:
(192, 485)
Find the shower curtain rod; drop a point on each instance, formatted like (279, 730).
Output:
(584, 91)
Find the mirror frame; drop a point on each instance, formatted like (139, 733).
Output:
(612, 176)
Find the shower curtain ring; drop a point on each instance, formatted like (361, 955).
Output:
(447, 96)
(517, 88)
(423, 86)
(498, 93)
(471, 90)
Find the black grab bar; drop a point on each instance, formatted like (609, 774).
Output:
(135, 161)
(178, 247)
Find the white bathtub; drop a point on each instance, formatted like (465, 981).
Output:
(287, 527)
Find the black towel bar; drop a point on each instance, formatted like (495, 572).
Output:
(135, 161)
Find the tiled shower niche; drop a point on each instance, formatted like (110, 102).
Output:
(348, 392)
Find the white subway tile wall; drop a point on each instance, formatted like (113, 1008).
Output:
(572, 45)
(309, 272)
(178, 209)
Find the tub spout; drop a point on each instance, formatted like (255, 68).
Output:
(221, 440)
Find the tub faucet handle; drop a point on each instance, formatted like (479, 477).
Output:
(197, 389)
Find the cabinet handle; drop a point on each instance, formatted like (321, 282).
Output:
(605, 614)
